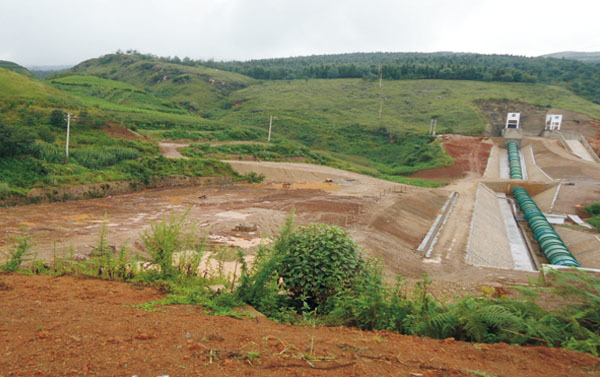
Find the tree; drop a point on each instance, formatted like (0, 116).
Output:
(57, 118)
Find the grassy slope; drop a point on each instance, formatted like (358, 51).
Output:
(15, 87)
(408, 106)
(187, 86)
(112, 95)
(26, 103)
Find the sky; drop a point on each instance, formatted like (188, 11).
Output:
(66, 32)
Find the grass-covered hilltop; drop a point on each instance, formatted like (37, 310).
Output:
(329, 110)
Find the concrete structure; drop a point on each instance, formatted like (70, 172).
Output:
(513, 120)
(512, 130)
(553, 122)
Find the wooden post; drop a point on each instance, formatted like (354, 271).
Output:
(270, 126)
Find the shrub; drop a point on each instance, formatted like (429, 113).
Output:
(58, 118)
(317, 262)
(14, 141)
(254, 177)
(314, 262)
(170, 236)
(5, 190)
(46, 135)
(593, 209)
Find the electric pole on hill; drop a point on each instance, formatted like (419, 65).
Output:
(270, 126)
(380, 93)
(68, 132)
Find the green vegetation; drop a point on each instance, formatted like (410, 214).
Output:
(196, 89)
(581, 78)
(303, 107)
(112, 95)
(317, 275)
(358, 296)
(14, 67)
(594, 211)
(16, 256)
(325, 121)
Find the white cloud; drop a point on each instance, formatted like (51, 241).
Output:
(69, 31)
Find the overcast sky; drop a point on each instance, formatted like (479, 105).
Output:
(53, 32)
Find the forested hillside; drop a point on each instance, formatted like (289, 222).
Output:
(581, 78)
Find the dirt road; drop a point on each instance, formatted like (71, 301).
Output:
(171, 150)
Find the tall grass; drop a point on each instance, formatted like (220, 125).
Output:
(96, 158)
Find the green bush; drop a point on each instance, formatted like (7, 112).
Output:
(312, 263)
(5, 190)
(317, 262)
(593, 209)
(46, 135)
(14, 141)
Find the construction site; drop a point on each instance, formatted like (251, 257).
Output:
(472, 231)
(513, 207)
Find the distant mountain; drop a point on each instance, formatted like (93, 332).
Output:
(590, 57)
(43, 71)
(14, 67)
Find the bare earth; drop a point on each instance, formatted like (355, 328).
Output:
(72, 327)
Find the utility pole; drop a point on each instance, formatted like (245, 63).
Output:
(270, 126)
(380, 93)
(68, 132)
(69, 115)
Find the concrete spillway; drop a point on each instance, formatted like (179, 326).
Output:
(495, 238)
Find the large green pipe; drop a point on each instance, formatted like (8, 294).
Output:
(552, 246)
(514, 160)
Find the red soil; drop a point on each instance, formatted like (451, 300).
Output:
(470, 156)
(82, 327)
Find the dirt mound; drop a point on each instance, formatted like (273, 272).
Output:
(470, 155)
(118, 132)
(72, 327)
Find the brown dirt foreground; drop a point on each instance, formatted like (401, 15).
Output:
(82, 327)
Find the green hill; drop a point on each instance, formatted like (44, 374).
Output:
(14, 67)
(329, 121)
(197, 89)
(18, 93)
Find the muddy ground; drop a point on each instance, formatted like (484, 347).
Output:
(63, 326)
